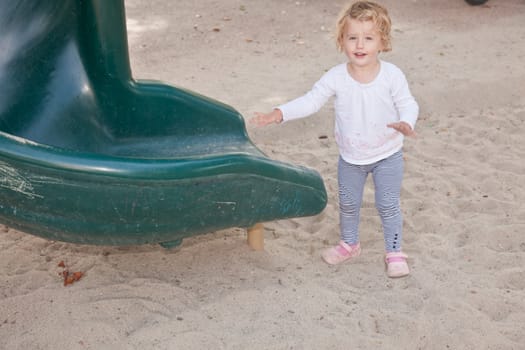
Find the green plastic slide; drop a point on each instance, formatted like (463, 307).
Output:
(90, 155)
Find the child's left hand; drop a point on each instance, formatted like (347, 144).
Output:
(403, 127)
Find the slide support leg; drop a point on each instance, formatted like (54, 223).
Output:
(256, 237)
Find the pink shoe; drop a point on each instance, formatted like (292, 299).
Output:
(340, 253)
(396, 265)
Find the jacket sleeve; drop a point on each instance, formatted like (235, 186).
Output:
(404, 102)
(312, 101)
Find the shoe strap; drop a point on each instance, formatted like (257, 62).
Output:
(342, 250)
(396, 257)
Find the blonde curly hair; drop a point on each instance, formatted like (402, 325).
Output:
(365, 11)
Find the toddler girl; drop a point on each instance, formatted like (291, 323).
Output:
(374, 111)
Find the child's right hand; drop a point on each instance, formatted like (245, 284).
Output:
(262, 119)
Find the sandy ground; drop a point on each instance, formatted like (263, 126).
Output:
(463, 198)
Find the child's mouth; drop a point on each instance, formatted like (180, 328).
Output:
(359, 54)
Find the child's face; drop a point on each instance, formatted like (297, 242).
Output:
(361, 42)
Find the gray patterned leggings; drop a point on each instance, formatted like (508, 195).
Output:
(387, 175)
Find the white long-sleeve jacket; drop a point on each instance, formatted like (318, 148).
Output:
(362, 111)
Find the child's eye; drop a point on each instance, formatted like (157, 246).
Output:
(351, 38)
(369, 38)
